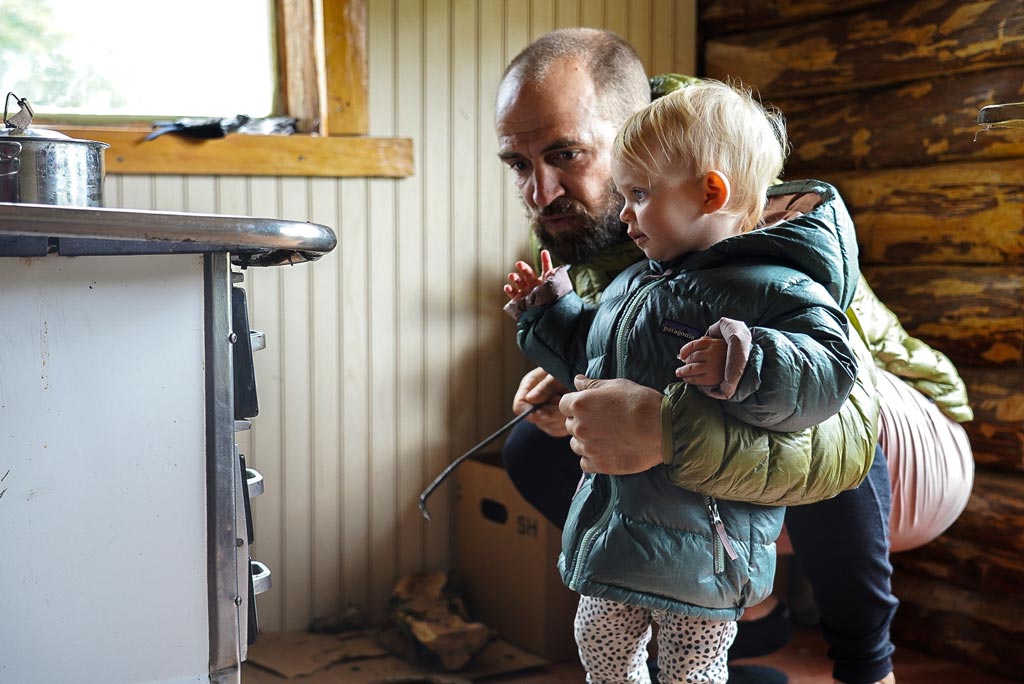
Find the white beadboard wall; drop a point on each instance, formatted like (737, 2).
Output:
(390, 356)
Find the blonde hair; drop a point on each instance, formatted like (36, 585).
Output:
(710, 126)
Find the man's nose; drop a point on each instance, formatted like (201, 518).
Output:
(547, 186)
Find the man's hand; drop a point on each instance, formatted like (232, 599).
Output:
(537, 387)
(615, 425)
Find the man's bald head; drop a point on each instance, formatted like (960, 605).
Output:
(620, 82)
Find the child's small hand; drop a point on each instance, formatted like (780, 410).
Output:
(523, 282)
(704, 361)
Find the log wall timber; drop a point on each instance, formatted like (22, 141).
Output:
(881, 100)
(869, 132)
(972, 314)
(733, 15)
(950, 213)
(997, 431)
(897, 42)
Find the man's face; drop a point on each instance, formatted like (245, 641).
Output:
(558, 146)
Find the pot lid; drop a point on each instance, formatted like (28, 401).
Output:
(35, 134)
(16, 126)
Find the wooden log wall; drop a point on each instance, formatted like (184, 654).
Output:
(881, 99)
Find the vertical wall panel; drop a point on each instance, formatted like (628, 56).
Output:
(640, 25)
(592, 13)
(411, 342)
(325, 311)
(542, 17)
(354, 243)
(663, 21)
(297, 419)
(383, 320)
(464, 245)
(517, 37)
(567, 13)
(200, 194)
(169, 193)
(684, 38)
(493, 261)
(390, 356)
(433, 158)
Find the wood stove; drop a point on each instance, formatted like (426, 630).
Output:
(125, 372)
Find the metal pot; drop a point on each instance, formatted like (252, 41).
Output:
(47, 167)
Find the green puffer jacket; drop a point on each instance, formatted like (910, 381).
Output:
(784, 281)
(708, 451)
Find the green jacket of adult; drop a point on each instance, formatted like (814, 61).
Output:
(709, 451)
(633, 538)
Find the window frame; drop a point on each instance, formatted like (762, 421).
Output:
(325, 88)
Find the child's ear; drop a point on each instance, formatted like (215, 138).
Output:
(716, 191)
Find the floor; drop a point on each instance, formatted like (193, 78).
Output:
(805, 662)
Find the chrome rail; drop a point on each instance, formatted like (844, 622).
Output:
(244, 234)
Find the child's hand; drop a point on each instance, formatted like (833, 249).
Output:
(705, 362)
(523, 282)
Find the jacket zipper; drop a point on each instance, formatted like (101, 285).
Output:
(588, 537)
(722, 544)
(629, 314)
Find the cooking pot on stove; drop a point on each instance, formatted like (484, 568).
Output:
(39, 166)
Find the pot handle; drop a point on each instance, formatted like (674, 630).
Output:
(9, 150)
(21, 119)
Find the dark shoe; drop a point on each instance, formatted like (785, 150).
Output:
(755, 638)
(755, 674)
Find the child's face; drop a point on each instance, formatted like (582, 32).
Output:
(667, 216)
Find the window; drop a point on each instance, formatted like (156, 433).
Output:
(113, 58)
(321, 80)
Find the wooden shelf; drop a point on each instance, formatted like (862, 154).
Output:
(250, 155)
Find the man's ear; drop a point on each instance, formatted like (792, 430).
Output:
(717, 191)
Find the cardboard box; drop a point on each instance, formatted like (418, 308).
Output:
(505, 560)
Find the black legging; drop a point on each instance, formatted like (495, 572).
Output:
(842, 545)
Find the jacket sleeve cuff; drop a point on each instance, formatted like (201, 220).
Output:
(553, 287)
(739, 340)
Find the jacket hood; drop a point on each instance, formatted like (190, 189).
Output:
(806, 227)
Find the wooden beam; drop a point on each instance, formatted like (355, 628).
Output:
(345, 67)
(251, 155)
(966, 563)
(968, 213)
(298, 83)
(985, 629)
(913, 124)
(726, 16)
(890, 44)
(997, 431)
(973, 314)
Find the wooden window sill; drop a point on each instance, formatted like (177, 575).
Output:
(250, 155)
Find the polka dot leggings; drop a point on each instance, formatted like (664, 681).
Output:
(612, 639)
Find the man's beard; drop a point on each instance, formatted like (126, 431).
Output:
(596, 232)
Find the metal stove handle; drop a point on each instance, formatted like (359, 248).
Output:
(260, 577)
(254, 481)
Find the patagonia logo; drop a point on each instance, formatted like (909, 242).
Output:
(686, 332)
